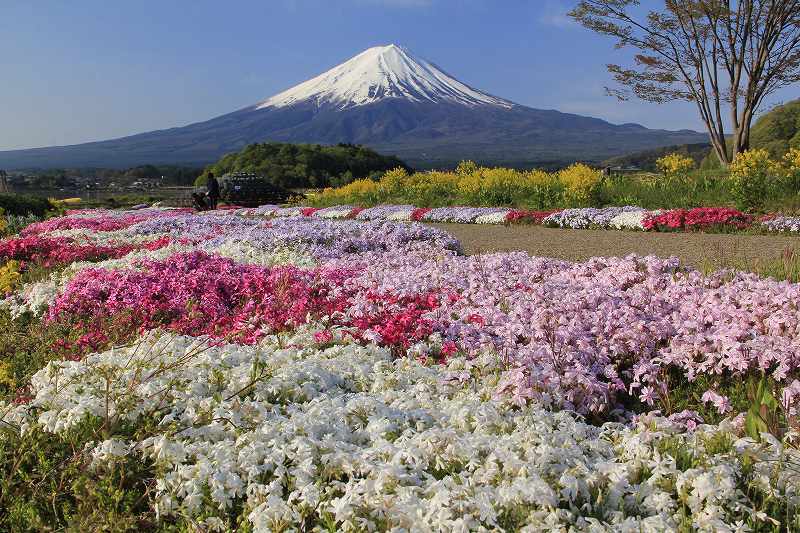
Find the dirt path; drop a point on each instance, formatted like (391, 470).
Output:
(696, 249)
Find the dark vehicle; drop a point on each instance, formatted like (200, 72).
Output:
(250, 190)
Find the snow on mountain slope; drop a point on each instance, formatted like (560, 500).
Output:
(383, 72)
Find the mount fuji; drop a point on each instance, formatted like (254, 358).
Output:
(384, 98)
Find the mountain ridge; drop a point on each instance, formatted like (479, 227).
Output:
(383, 98)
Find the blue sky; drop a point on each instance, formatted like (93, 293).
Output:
(93, 69)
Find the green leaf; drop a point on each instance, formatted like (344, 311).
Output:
(754, 425)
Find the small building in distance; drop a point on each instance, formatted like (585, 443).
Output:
(625, 170)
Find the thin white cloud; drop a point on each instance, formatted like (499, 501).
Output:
(554, 13)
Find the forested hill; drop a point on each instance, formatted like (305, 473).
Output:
(646, 159)
(305, 165)
(778, 130)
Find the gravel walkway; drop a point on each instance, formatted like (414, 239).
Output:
(698, 249)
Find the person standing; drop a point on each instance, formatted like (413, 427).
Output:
(212, 186)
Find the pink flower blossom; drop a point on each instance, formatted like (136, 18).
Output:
(722, 403)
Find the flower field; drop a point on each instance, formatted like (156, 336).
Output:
(620, 218)
(334, 369)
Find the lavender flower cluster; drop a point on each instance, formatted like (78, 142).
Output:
(782, 224)
(462, 215)
(386, 212)
(323, 239)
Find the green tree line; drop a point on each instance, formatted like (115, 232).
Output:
(293, 166)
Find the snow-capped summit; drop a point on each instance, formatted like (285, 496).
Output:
(383, 98)
(383, 72)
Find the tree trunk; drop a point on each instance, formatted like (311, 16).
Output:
(742, 137)
(720, 148)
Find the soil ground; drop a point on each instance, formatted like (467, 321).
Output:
(696, 249)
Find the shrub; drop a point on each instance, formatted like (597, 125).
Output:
(465, 168)
(21, 205)
(393, 181)
(9, 277)
(361, 191)
(674, 164)
(753, 174)
(581, 183)
(432, 189)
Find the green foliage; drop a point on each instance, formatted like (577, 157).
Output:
(16, 223)
(763, 415)
(21, 205)
(25, 347)
(778, 130)
(683, 394)
(304, 165)
(47, 483)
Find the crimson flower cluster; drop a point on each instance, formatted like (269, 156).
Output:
(699, 218)
(418, 213)
(51, 251)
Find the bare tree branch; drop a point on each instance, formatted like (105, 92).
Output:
(716, 53)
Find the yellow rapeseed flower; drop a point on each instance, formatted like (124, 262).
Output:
(672, 164)
(579, 180)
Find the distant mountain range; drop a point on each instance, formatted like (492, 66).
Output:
(386, 99)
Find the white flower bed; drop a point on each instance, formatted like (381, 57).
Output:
(346, 438)
(105, 238)
(287, 212)
(493, 218)
(631, 219)
(248, 254)
(400, 216)
(333, 213)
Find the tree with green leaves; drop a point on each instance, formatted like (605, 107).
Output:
(727, 56)
(304, 165)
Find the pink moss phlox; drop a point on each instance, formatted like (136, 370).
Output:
(199, 294)
(112, 221)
